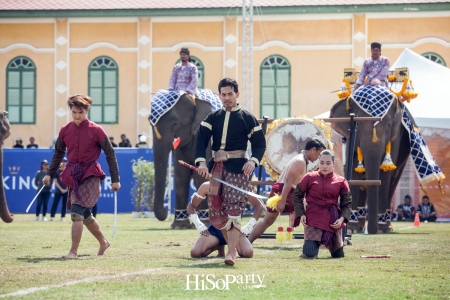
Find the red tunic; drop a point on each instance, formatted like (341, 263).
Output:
(83, 144)
(321, 193)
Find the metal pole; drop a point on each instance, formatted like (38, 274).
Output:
(351, 147)
(264, 130)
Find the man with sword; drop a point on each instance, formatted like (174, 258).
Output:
(84, 141)
(230, 128)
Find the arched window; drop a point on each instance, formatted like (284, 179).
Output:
(21, 91)
(201, 71)
(275, 91)
(104, 90)
(435, 57)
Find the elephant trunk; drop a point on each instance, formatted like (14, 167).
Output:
(161, 157)
(6, 216)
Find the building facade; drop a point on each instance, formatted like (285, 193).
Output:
(121, 57)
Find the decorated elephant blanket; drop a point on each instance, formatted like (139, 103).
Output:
(164, 100)
(376, 101)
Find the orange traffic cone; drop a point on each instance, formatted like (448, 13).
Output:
(417, 220)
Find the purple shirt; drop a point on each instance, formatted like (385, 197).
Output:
(184, 78)
(375, 69)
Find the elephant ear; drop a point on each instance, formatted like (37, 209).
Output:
(202, 109)
(339, 110)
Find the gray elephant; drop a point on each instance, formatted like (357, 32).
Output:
(6, 216)
(181, 121)
(378, 197)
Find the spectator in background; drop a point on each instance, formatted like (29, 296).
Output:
(111, 139)
(426, 210)
(125, 142)
(60, 192)
(142, 141)
(32, 144)
(18, 143)
(406, 211)
(53, 144)
(44, 195)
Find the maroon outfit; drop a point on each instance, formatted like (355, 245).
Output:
(277, 188)
(83, 173)
(322, 194)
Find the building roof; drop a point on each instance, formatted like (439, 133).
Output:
(33, 5)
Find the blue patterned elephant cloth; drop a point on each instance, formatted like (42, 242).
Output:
(376, 101)
(164, 100)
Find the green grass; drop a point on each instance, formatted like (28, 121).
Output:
(147, 260)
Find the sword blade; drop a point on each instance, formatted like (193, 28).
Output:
(115, 215)
(32, 201)
(239, 189)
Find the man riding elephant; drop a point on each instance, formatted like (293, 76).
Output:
(184, 75)
(376, 68)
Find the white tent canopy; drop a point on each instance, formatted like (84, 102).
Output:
(431, 108)
(432, 81)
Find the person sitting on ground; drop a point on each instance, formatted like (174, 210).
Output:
(111, 139)
(125, 142)
(32, 144)
(406, 211)
(18, 143)
(426, 210)
(212, 239)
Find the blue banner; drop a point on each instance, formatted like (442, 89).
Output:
(21, 165)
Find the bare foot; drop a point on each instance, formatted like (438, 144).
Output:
(71, 255)
(229, 260)
(103, 247)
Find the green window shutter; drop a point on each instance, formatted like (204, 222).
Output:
(21, 91)
(103, 89)
(275, 87)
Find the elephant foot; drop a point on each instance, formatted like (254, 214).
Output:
(354, 227)
(182, 224)
(384, 228)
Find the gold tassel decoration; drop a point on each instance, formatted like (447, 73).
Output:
(193, 99)
(388, 164)
(289, 234)
(360, 168)
(374, 135)
(347, 104)
(273, 201)
(423, 190)
(158, 135)
(280, 235)
(440, 187)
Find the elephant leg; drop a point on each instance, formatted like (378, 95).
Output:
(182, 179)
(358, 215)
(384, 210)
(6, 216)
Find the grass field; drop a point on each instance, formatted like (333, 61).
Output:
(147, 260)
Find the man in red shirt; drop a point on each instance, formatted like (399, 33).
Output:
(84, 141)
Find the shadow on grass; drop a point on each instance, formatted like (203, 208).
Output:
(161, 229)
(277, 248)
(35, 260)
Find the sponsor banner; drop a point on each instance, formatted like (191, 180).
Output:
(21, 165)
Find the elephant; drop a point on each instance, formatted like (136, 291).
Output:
(378, 197)
(6, 216)
(181, 121)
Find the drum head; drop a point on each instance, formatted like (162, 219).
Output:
(287, 137)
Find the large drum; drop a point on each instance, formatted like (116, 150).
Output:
(287, 137)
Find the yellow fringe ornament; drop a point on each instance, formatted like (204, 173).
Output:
(391, 78)
(374, 135)
(273, 201)
(423, 190)
(158, 135)
(440, 187)
(280, 235)
(347, 92)
(387, 164)
(406, 93)
(289, 234)
(360, 168)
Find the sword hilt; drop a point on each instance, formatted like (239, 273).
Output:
(191, 167)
